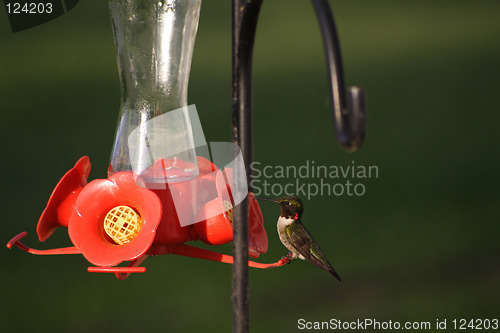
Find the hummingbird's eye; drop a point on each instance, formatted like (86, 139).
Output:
(286, 202)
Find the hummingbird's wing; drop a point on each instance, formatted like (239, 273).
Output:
(298, 236)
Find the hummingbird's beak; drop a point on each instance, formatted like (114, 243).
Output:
(265, 199)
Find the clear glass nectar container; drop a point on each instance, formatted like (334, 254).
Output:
(154, 42)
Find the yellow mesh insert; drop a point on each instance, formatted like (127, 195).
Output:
(122, 224)
(229, 210)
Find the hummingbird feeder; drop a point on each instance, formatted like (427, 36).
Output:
(162, 191)
(159, 193)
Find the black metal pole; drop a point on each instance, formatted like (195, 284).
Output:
(245, 15)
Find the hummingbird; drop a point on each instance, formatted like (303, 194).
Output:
(295, 237)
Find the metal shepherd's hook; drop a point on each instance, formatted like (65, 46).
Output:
(349, 122)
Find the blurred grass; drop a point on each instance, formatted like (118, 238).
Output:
(423, 243)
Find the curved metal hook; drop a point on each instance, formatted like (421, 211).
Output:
(349, 119)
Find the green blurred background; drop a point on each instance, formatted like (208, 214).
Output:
(421, 244)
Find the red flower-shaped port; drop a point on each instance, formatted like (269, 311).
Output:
(216, 216)
(115, 219)
(257, 236)
(214, 219)
(63, 199)
(170, 230)
(257, 233)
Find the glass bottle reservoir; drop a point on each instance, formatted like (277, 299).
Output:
(154, 42)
